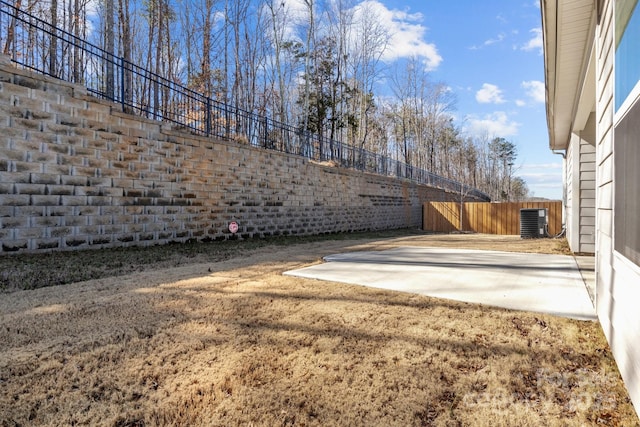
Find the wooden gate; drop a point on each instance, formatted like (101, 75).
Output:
(488, 218)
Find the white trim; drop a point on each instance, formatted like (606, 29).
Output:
(618, 115)
(626, 262)
(612, 132)
(587, 97)
(632, 98)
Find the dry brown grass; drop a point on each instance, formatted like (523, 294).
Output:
(236, 343)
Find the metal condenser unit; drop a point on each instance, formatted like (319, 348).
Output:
(533, 223)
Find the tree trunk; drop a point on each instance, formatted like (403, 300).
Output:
(307, 72)
(75, 20)
(11, 31)
(126, 46)
(158, 64)
(205, 66)
(53, 39)
(110, 48)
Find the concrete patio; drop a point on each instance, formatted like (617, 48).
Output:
(551, 284)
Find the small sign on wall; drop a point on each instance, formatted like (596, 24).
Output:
(233, 227)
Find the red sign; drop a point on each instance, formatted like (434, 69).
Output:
(233, 227)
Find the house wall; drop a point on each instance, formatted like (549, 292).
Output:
(587, 178)
(571, 202)
(581, 195)
(618, 280)
(77, 173)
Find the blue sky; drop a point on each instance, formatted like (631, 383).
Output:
(490, 53)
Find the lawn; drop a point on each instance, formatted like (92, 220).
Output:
(215, 335)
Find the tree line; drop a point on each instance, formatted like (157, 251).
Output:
(313, 64)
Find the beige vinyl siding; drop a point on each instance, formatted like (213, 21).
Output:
(618, 280)
(604, 151)
(581, 195)
(587, 210)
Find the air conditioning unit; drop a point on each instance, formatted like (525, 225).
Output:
(533, 223)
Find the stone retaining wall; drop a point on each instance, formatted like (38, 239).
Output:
(75, 172)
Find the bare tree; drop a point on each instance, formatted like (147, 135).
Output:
(109, 46)
(277, 11)
(78, 27)
(53, 38)
(519, 189)
(309, 47)
(11, 31)
(369, 41)
(197, 25)
(205, 64)
(439, 104)
(341, 20)
(158, 12)
(126, 46)
(408, 87)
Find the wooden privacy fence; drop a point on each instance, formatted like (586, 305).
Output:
(489, 218)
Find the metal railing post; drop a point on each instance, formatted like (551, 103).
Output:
(265, 134)
(207, 116)
(122, 88)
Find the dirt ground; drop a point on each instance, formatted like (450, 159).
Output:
(236, 343)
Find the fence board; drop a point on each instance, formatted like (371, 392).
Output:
(488, 218)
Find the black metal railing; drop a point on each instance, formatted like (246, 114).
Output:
(35, 44)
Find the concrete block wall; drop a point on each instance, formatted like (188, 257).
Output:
(75, 172)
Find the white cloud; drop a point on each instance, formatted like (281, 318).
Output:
(295, 9)
(543, 166)
(405, 30)
(520, 103)
(535, 90)
(92, 8)
(500, 37)
(406, 34)
(548, 187)
(534, 43)
(494, 124)
(542, 178)
(290, 15)
(552, 184)
(489, 94)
